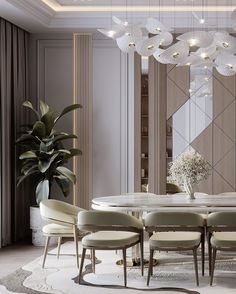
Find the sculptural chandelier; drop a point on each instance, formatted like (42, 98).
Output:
(196, 48)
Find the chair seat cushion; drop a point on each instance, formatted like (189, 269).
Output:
(224, 239)
(57, 229)
(175, 239)
(110, 239)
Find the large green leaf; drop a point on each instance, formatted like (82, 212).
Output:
(73, 152)
(22, 178)
(46, 147)
(28, 154)
(31, 169)
(64, 137)
(67, 173)
(42, 191)
(39, 129)
(44, 165)
(68, 109)
(44, 108)
(27, 138)
(49, 120)
(29, 105)
(64, 184)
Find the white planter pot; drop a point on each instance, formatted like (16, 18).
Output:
(36, 225)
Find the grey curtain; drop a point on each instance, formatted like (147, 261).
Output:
(14, 214)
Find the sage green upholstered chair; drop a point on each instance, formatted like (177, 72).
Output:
(63, 223)
(221, 231)
(175, 231)
(110, 231)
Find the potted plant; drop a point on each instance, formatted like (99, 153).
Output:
(44, 158)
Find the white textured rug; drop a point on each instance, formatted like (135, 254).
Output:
(174, 271)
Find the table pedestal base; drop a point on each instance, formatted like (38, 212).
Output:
(135, 263)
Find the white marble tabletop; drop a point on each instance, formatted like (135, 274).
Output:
(153, 202)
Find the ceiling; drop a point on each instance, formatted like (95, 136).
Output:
(80, 15)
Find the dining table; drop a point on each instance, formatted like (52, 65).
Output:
(147, 202)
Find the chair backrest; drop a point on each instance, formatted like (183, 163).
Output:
(59, 211)
(222, 221)
(228, 194)
(108, 220)
(180, 221)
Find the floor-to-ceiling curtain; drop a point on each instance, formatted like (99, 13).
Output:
(14, 213)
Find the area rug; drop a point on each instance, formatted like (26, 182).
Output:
(174, 274)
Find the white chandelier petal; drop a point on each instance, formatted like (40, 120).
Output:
(119, 21)
(191, 60)
(166, 38)
(197, 38)
(134, 31)
(154, 26)
(175, 53)
(227, 60)
(114, 33)
(148, 46)
(127, 43)
(225, 71)
(157, 54)
(207, 54)
(225, 41)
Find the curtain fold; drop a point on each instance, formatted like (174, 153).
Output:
(14, 214)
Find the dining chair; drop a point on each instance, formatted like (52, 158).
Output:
(110, 231)
(221, 232)
(63, 223)
(175, 231)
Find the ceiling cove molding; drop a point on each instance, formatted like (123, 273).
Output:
(54, 5)
(43, 13)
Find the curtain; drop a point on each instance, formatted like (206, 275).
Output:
(15, 202)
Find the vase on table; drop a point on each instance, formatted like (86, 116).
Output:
(189, 188)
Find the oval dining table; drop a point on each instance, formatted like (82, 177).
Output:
(141, 202)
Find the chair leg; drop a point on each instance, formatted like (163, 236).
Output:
(203, 253)
(59, 247)
(141, 254)
(213, 265)
(124, 265)
(45, 250)
(195, 265)
(82, 264)
(76, 245)
(209, 251)
(150, 266)
(93, 260)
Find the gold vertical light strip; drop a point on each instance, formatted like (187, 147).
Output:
(75, 120)
(82, 120)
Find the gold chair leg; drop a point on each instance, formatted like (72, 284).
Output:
(141, 254)
(213, 265)
(124, 265)
(203, 253)
(45, 250)
(150, 266)
(76, 245)
(82, 264)
(59, 247)
(93, 260)
(209, 252)
(195, 265)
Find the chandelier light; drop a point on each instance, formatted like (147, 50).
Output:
(195, 48)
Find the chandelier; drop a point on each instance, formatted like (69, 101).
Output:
(196, 48)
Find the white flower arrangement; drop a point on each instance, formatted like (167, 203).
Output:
(189, 168)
